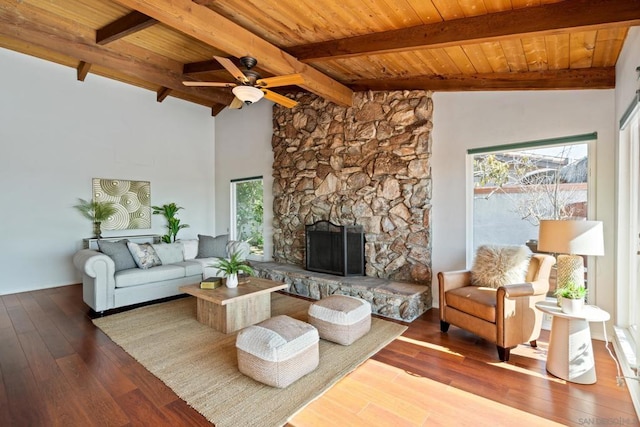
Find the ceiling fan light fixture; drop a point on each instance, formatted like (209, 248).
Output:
(248, 94)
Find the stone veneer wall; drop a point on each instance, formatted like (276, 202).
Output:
(367, 165)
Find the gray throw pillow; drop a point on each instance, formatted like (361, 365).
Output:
(119, 253)
(209, 246)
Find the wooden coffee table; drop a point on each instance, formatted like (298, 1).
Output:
(230, 309)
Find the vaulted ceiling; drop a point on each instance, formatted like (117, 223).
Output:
(338, 46)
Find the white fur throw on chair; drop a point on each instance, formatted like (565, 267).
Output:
(497, 265)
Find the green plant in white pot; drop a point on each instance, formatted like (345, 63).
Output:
(97, 212)
(231, 267)
(571, 297)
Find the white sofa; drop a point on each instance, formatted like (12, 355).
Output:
(104, 288)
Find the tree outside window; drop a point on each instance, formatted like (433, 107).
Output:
(248, 213)
(539, 186)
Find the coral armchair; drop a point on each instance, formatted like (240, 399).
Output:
(505, 316)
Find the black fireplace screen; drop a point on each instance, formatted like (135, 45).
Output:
(335, 249)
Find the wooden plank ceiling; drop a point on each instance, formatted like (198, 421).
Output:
(338, 46)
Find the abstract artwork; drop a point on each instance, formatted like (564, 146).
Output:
(132, 200)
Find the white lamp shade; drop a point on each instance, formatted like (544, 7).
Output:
(574, 237)
(247, 94)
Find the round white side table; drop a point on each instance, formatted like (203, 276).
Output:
(570, 355)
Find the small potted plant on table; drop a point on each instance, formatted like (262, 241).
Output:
(571, 297)
(231, 267)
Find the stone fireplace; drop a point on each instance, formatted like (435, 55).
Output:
(334, 249)
(366, 165)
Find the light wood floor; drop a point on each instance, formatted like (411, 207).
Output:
(56, 368)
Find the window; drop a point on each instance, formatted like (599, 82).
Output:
(247, 214)
(628, 229)
(516, 186)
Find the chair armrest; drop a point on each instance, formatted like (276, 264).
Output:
(522, 290)
(451, 280)
(538, 276)
(87, 261)
(454, 279)
(98, 278)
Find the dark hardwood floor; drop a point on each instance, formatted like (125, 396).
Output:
(57, 368)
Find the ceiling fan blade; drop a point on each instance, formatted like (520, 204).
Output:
(231, 67)
(290, 79)
(209, 84)
(279, 99)
(236, 104)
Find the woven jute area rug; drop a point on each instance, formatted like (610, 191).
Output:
(200, 364)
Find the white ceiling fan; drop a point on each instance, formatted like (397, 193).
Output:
(250, 87)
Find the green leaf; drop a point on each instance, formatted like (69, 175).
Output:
(571, 290)
(233, 265)
(95, 211)
(169, 211)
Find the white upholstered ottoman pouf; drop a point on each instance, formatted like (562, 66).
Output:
(341, 318)
(278, 351)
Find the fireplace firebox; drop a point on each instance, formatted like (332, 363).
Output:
(335, 249)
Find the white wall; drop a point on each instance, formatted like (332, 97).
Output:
(56, 134)
(626, 75)
(243, 150)
(480, 119)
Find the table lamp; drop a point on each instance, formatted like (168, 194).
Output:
(570, 239)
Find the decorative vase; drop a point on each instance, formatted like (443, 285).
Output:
(232, 280)
(572, 306)
(97, 230)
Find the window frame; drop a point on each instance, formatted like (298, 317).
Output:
(628, 229)
(233, 212)
(589, 139)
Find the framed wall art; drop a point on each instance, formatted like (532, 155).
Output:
(132, 200)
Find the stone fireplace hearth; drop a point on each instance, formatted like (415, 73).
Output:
(366, 165)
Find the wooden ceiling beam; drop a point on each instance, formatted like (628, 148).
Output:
(23, 22)
(584, 78)
(216, 109)
(128, 24)
(162, 93)
(83, 70)
(205, 25)
(548, 19)
(202, 67)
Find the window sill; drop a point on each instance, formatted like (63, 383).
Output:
(624, 346)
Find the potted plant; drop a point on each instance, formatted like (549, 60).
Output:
(231, 267)
(571, 297)
(96, 212)
(173, 224)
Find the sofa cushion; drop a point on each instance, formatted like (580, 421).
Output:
(477, 301)
(209, 246)
(138, 276)
(498, 265)
(118, 252)
(169, 253)
(208, 267)
(191, 267)
(189, 248)
(144, 255)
